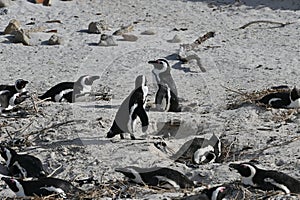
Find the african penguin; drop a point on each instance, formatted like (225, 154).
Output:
(199, 151)
(166, 98)
(69, 91)
(131, 108)
(285, 99)
(157, 176)
(214, 193)
(266, 179)
(8, 99)
(19, 87)
(22, 166)
(41, 187)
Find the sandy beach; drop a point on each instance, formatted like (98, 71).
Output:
(237, 61)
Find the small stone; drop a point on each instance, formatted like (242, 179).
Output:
(128, 37)
(123, 30)
(55, 40)
(44, 2)
(4, 3)
(279, 162)
(95, 27)
(21, 36)
(176, 39)
(3, 11)
(107, 40)
(148, 32)
(13, 25)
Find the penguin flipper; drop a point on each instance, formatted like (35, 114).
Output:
(141, 113)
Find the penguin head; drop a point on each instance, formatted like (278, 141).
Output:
(7, 153)
(295, 94)
(140, 81)
(247, 170)
(131, 173)
(20, 84)
(160, 65)
(87, 80)
(215, 193)
(215, 141)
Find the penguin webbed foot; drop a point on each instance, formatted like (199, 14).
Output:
(144, 128)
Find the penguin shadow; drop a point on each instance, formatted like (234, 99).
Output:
(93, 44)
(178, 65)
(76, 141)
(102, 106)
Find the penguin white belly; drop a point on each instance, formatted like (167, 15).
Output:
(199, 154)
(86, 89)
(294, 104)
(22, 170)
(131, 123)
(21, 192)
(60, 95)
(12, 101)
(56, 190)
(171, 182)
(281, 186)
(272, 100)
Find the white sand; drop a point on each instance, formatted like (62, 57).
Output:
(232, 61)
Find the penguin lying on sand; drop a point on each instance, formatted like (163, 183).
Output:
(42, 187)
(8, 100)
(166, 98)
(285, 99)
(69, 91)
(199, 151)
(22, 166)
(131, 108)
(157, 176)
(266, 179)
(214, 193)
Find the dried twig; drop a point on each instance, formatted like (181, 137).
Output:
(265, 21)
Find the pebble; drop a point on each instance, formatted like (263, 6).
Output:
(107, 40)
(279, 162)
(13, 25)
(3, 11)
(123, 30)
(175, 39)
(148, 32)
(128, 37)
(21, 36)
(44, 2)
(55, 40)
(97, 27)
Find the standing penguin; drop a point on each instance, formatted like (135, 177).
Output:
(286, 99)
(266, 179)
(42, 187)
(19, 87)
(166, 98)
(131, 108)
(69, 91)
(22, 166)
(156, 175)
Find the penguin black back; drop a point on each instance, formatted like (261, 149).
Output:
(284, 99)
(154, 176)
(68, 91)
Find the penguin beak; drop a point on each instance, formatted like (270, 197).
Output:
(234, 166)
(152, 62)
(93, 78)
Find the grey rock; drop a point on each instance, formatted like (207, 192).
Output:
(107, 40)
(55, 40)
